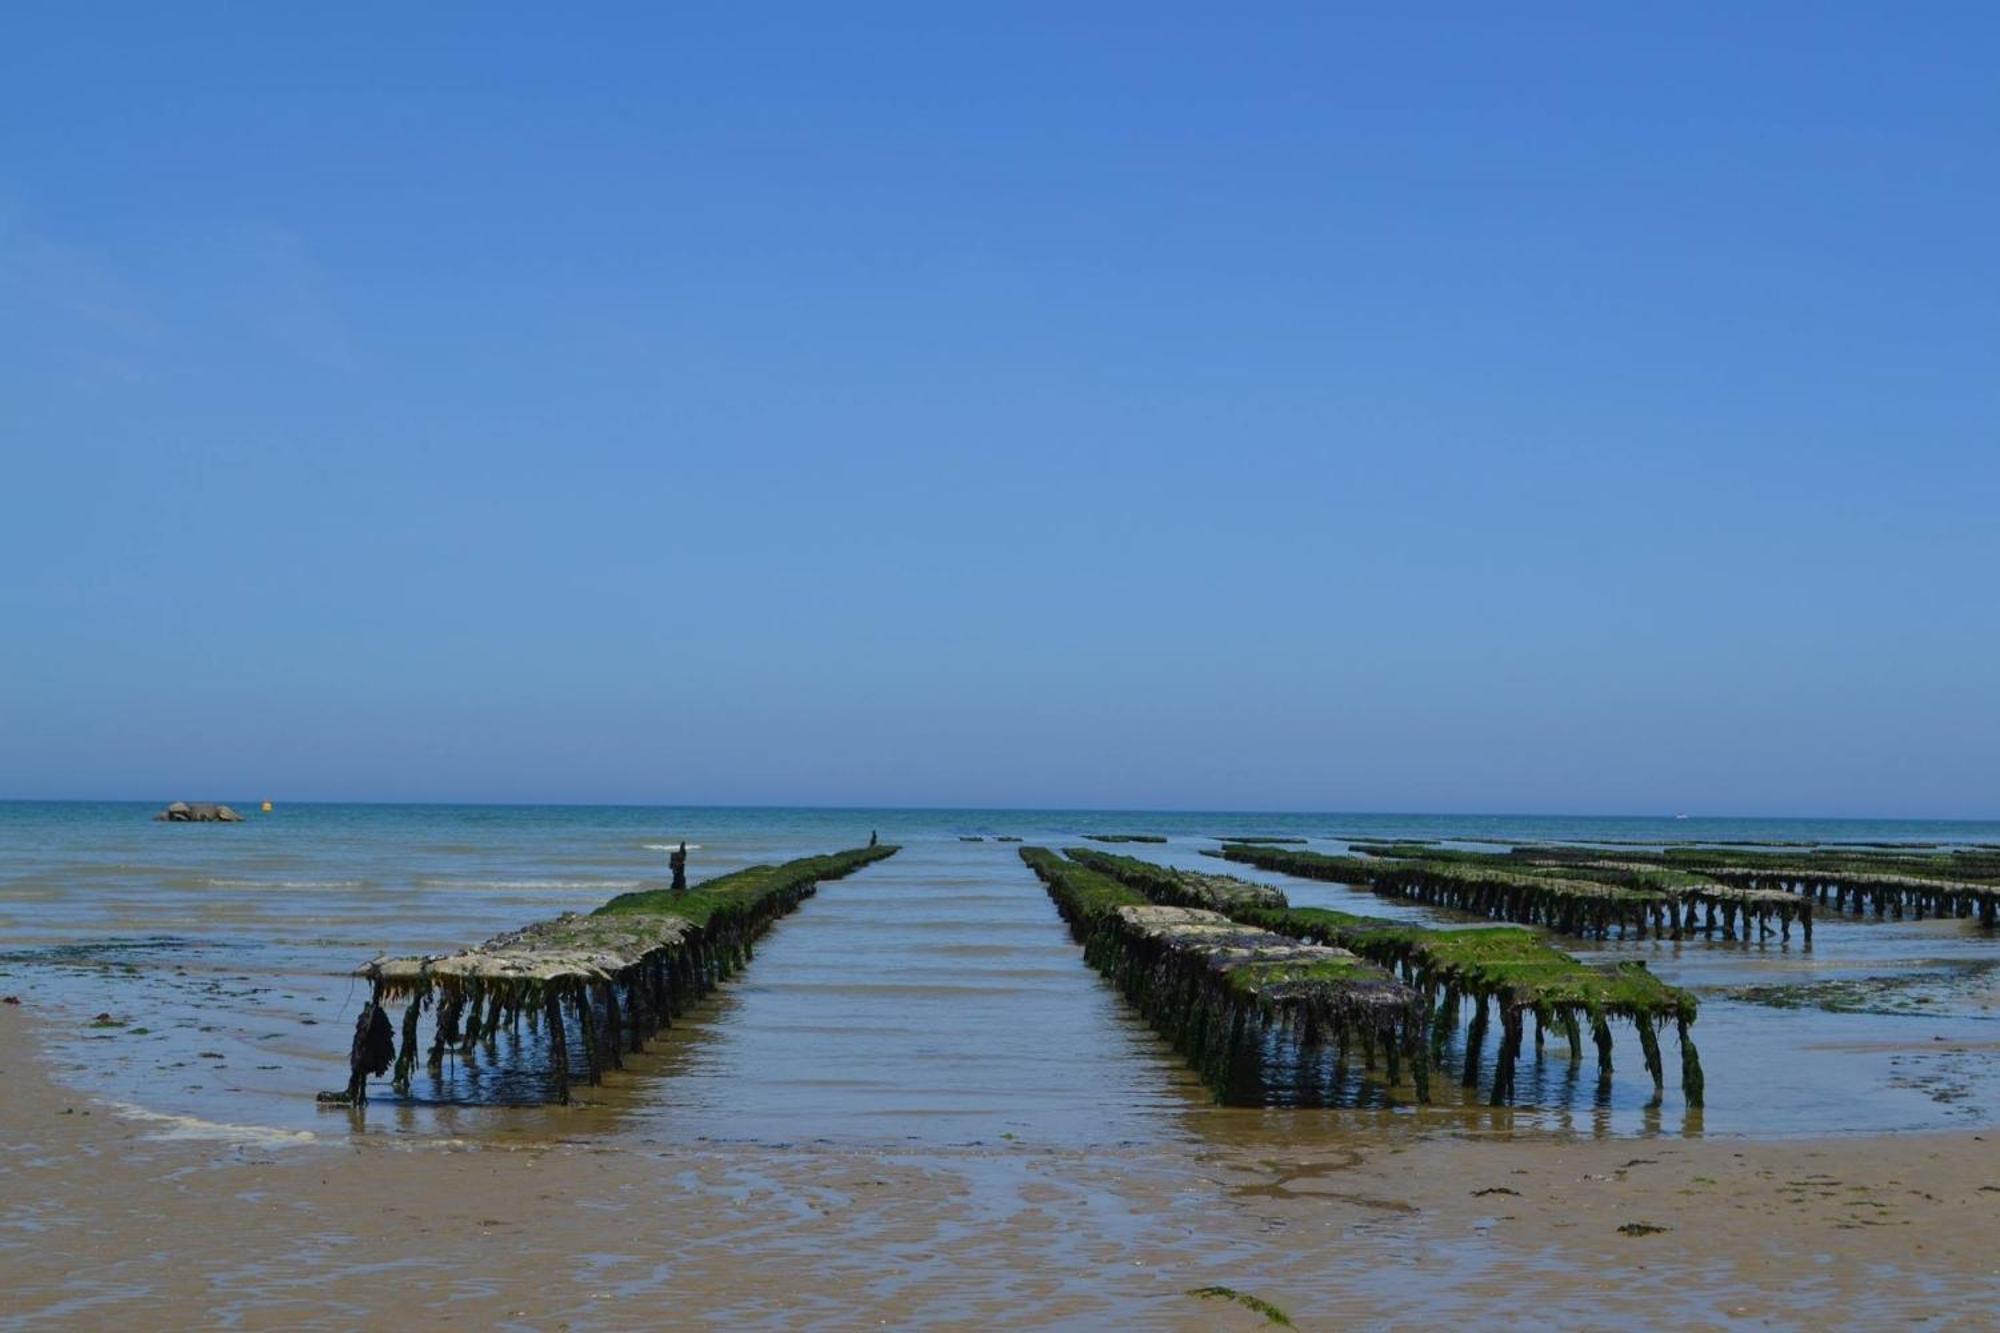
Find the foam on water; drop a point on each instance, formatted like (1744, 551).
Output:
(187, 1127)
(283, 883)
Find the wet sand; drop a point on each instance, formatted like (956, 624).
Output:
(918, 1105)
(108, 1218)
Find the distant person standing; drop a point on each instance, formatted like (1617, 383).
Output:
(871, 837)
(679, 861)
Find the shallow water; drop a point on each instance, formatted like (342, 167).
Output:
(933, 999)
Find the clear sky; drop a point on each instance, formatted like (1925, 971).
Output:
(1526, 408)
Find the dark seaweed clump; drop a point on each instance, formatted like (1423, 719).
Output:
(1246, 1300)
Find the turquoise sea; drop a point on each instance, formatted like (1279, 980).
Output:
(200, 976)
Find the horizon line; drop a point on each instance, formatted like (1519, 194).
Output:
(1675, 816)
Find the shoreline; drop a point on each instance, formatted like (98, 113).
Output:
(106, 1214)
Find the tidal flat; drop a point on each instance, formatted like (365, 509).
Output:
(919, 1102)
(108, 1215)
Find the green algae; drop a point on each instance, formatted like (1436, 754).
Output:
(1177, 888)
(1953, 881)
(1763, 882)
(1572, 896)
(1520, 974)
(1216, 988)
(1243, 1298)
(1512, 967)
(742, 890)
(615, 977)
(1571, 906)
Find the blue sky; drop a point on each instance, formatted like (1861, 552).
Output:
(1560, 409)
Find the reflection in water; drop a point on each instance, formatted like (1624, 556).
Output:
(932, 999)
(934, 996)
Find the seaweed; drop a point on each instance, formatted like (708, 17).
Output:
(1178, 888)
(1240, 1002)
(1573, 893)
(1459, 881)
(1953, 882)
(615, 976)
(1244, 1299)
(1509, 967)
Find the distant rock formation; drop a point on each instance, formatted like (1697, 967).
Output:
(199, 812)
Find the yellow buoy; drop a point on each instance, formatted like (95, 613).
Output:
(267, 807)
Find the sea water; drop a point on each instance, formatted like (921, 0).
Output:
(202, 976)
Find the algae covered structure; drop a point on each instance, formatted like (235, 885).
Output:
(1506, 972)
(612, 978)
(1591, 900)
(1918, 881)
(1249, 1009)
(1880, 892)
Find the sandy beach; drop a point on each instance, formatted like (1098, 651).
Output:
(113, 1219)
